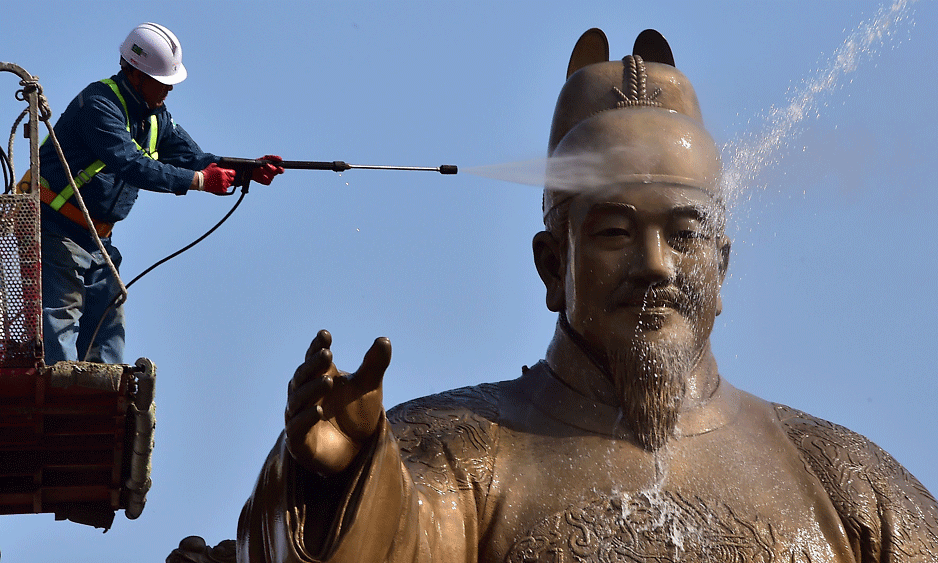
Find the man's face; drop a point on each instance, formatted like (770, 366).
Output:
(644, 264)
(153, 91)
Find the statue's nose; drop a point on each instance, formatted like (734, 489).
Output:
(655, 260)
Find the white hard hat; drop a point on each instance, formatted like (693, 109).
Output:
(155, 51)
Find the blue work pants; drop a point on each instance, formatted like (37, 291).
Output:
(77, 288)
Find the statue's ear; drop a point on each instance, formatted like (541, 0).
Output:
(652, 47)
(548, 258)
(592, 47)
(724, 257)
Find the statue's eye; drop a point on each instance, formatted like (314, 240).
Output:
(611, 225)
(689, 234)
(688, 230)
(614, 232)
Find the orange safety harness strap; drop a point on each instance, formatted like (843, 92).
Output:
(68, 210)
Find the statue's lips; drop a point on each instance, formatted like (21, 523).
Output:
(650, 315)
(658, 301)
(643, 304)
(654, 308)
(643, 310)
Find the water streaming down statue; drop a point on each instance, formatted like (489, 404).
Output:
(624, 444)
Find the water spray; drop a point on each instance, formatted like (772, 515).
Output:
(245, 166)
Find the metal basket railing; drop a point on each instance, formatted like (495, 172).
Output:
(20, 260)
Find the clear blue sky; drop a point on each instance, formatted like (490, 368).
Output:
(830, 303)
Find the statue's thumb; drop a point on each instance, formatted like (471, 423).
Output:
(376, 361)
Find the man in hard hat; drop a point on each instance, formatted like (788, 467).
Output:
(117, 137)
(624, 443)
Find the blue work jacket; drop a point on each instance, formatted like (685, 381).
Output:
(94, 127)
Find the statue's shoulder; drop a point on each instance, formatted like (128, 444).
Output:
(877, 498)
(451, 438)
(444, 411)
(831, 449)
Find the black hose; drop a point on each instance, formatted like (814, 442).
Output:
(117, 298)
(8, 178)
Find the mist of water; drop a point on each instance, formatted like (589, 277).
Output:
(753, 151)
(583, 172)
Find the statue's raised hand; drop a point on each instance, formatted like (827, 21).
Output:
(331, 414)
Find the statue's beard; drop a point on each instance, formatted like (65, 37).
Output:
(649, 377)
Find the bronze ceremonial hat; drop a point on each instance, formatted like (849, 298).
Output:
(624, 122)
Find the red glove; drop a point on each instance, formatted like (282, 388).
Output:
(265, 174)
(217, 180)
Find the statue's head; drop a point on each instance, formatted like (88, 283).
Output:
(634, 249)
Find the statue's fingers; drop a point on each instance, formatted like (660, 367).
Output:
(376, 362)
(307, 396)
(323, 340)
(315, 366)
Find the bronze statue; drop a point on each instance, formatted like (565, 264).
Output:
(194, 550)
(624, 444)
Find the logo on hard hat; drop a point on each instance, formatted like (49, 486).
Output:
(138, 50)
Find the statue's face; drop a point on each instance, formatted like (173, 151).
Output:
(644, 262)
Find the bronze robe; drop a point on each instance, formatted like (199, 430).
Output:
(529, 471)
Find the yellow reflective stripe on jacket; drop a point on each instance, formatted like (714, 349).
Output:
(88, 173)
(151, 148)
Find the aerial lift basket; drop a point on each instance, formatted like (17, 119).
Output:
(76, 437)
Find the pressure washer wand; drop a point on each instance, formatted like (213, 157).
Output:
(245, 167)
(443, 169)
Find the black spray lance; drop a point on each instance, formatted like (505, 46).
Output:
(245, 166)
